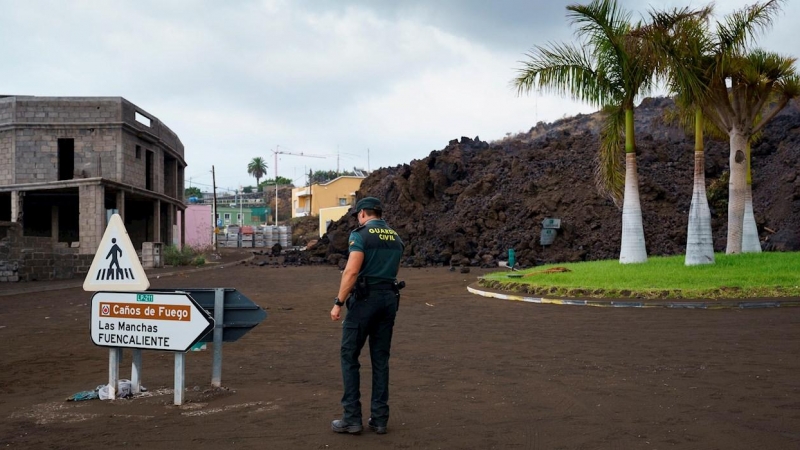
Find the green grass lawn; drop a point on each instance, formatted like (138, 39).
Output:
(733, 276)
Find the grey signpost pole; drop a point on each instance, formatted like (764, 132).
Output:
(114, 355)
(179, 381)
(219, 309)
(136, 371)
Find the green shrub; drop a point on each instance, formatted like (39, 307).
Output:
(174, 256)
(199, 261)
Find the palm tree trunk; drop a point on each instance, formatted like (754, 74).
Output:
(750, 241)
(633, 247)
(737, 188)
(699, 240)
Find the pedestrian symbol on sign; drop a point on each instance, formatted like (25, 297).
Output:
(110, 273)
(116, 265)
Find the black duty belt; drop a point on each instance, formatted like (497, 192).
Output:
(388, 286)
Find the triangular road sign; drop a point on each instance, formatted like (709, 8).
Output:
(116, 266)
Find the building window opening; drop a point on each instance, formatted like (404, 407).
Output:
(66, 159)
(142, 119)
(342, 202)
(148, 171)
(138, 152)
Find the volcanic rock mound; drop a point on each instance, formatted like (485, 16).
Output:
(472, 201)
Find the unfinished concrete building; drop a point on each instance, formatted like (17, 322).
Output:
(67, 164)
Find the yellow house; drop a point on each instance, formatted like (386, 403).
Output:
(340, 192)
(328, 215)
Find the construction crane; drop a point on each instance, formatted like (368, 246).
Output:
(277, 152)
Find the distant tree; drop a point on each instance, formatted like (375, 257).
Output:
(257, 168)
(247, 189)
(323, 176)
(281, 182)
(192, 192)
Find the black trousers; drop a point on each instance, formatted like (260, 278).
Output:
(372, 318)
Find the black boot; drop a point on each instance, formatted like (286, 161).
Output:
(340, 426)
(380, 429)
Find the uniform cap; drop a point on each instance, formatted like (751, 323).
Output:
(368, 203)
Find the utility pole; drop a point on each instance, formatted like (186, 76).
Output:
(241, 218)
(278, 151)
(214, 218)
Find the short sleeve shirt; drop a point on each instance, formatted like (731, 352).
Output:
(382, 248)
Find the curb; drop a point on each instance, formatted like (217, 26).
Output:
(727, 304)
(77, 284)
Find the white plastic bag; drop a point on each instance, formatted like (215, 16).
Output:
(123, 390)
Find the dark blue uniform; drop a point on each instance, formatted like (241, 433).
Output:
(371, 317)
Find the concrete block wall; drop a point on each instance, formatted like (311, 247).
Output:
(135, 169)
(6, 110)
(6, 157)
(36, 258)
(157, 128)
(37, 153)
(40, 260)
(54, 110)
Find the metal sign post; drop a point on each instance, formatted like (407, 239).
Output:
(180, 385)
(219, 309)
(234, 316)
(136, 371)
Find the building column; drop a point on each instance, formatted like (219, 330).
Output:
(157, 221)
(183, 227)
(121, 205)
(91, 224)
(16, 206)
(54, 223)
(170, 225)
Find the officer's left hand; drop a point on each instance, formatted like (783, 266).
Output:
(335, 311)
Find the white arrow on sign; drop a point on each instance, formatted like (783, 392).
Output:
(148, 320)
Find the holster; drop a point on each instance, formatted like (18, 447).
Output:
(361, 289)
(397, 286)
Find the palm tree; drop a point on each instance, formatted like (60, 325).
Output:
(733, 85)
(609, 69)
(257, 168)
(755, 78)
(679, 50)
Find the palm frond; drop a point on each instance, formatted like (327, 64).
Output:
(563, 69)
(741, 26)
(609, 172)
(600, 21)
(788, 87)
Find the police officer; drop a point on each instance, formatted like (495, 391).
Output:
(369, 285)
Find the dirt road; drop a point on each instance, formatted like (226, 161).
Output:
(467, 373)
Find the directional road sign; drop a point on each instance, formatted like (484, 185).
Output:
(240, 313)
(116, 265)
(148, 320)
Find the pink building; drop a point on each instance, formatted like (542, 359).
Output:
(199, 229)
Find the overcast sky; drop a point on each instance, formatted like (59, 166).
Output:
(378, 82)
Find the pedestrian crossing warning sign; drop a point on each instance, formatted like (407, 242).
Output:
(116, 265)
